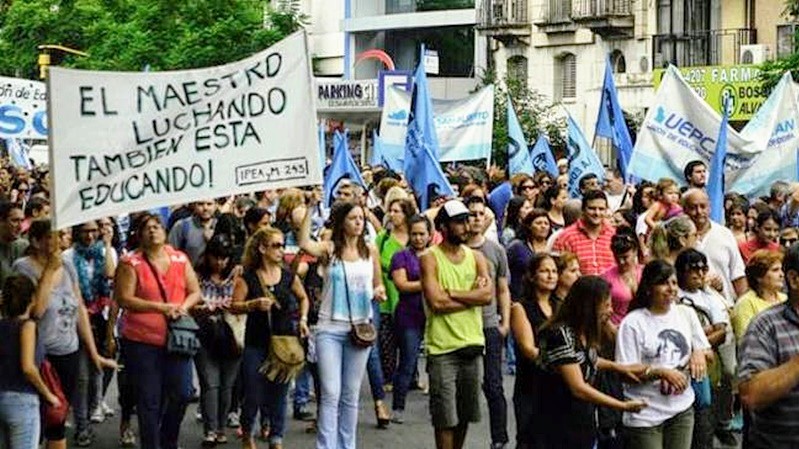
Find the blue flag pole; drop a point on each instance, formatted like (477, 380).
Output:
(715, 184)
(610, 122)
(422, 169)
(518, 155)
(342, 167)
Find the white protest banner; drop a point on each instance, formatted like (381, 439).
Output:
(680, 127)
(121, 142)
(464, 127)
(23, 109)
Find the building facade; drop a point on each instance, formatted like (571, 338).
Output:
(560, 46)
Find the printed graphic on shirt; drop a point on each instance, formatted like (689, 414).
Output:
(672, 347)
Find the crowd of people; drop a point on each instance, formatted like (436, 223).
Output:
(628, 317)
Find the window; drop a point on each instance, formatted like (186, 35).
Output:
(617, 62)
(517, 68)
(786, 40)
(566, 77)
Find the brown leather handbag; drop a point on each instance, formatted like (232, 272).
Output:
(362, 335)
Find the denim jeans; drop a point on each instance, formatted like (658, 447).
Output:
(374, 367)
(302, 388)
(674, 433)
(341, 369)
(217, 377)
(492, 385)
(163, 384)
(19, 420)
(409, 339)
(510, 353)
(261, 394)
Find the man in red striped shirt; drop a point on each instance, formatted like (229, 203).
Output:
(589, 238)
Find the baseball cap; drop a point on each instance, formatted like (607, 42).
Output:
(452, 210)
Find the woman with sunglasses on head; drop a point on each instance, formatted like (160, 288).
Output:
(218, 360)
(669, 339)
(711, 310)
(624, 276)
(765, 234)
(271, 297)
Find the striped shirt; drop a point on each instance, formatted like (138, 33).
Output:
(771, 340)
(594, 254)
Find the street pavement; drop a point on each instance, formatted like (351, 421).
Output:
(415, 433)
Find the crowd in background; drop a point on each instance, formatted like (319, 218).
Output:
(627, 316)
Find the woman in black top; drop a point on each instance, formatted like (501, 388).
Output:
(272, 297)
(568, 353)
(527, 316)
(20, 356)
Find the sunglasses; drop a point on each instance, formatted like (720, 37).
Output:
(698, 266)
(788, 242)
(276, 245)
(528, 187)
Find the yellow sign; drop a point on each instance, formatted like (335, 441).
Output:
(738, 83)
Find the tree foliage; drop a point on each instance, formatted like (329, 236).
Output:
(535, 112)
(133, 35)
(772, 71)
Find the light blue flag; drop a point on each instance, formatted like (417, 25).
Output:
(542, 157)
(610, 122)
(421, 166)
(582, 158)
(18, 153)
(342, 167)
(322, 150)
(377, 151)
(518, 154)
(715, 181)
(425, 114)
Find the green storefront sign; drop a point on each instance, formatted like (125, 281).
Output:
(739, 83)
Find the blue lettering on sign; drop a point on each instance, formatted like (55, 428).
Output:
(685, 128)
(13, 120)
(784, 127)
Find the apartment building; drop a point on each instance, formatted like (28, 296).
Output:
(560, 46)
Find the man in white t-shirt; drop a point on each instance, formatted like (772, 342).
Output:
(719, 245)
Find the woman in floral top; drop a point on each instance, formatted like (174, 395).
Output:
(218, 360)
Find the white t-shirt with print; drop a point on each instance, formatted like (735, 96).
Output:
(660, 341)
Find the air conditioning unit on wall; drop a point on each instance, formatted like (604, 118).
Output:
(754, 54)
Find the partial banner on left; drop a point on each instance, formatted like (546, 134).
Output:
(23, 109)
(122, 142)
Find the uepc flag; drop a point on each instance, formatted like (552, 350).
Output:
(122, 142)
(582, 158)
(680, 127)
(463, 127)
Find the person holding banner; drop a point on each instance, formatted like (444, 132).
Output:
(153, 285)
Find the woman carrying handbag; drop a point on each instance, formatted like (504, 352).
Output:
(352, 278)
(272, 297)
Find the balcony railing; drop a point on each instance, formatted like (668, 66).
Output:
(592, 9)
(557, 11)
(701, 48)
(498, 13)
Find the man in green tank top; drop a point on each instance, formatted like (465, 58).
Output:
(455, 284)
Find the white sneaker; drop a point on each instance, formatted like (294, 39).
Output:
(98, 415)
(106, 409)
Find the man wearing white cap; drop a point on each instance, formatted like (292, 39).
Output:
(456, 286)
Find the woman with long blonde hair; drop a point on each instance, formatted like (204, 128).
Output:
(271, 296)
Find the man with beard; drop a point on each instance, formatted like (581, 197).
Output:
(589, 238)
(190, 234)
(455, 282)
